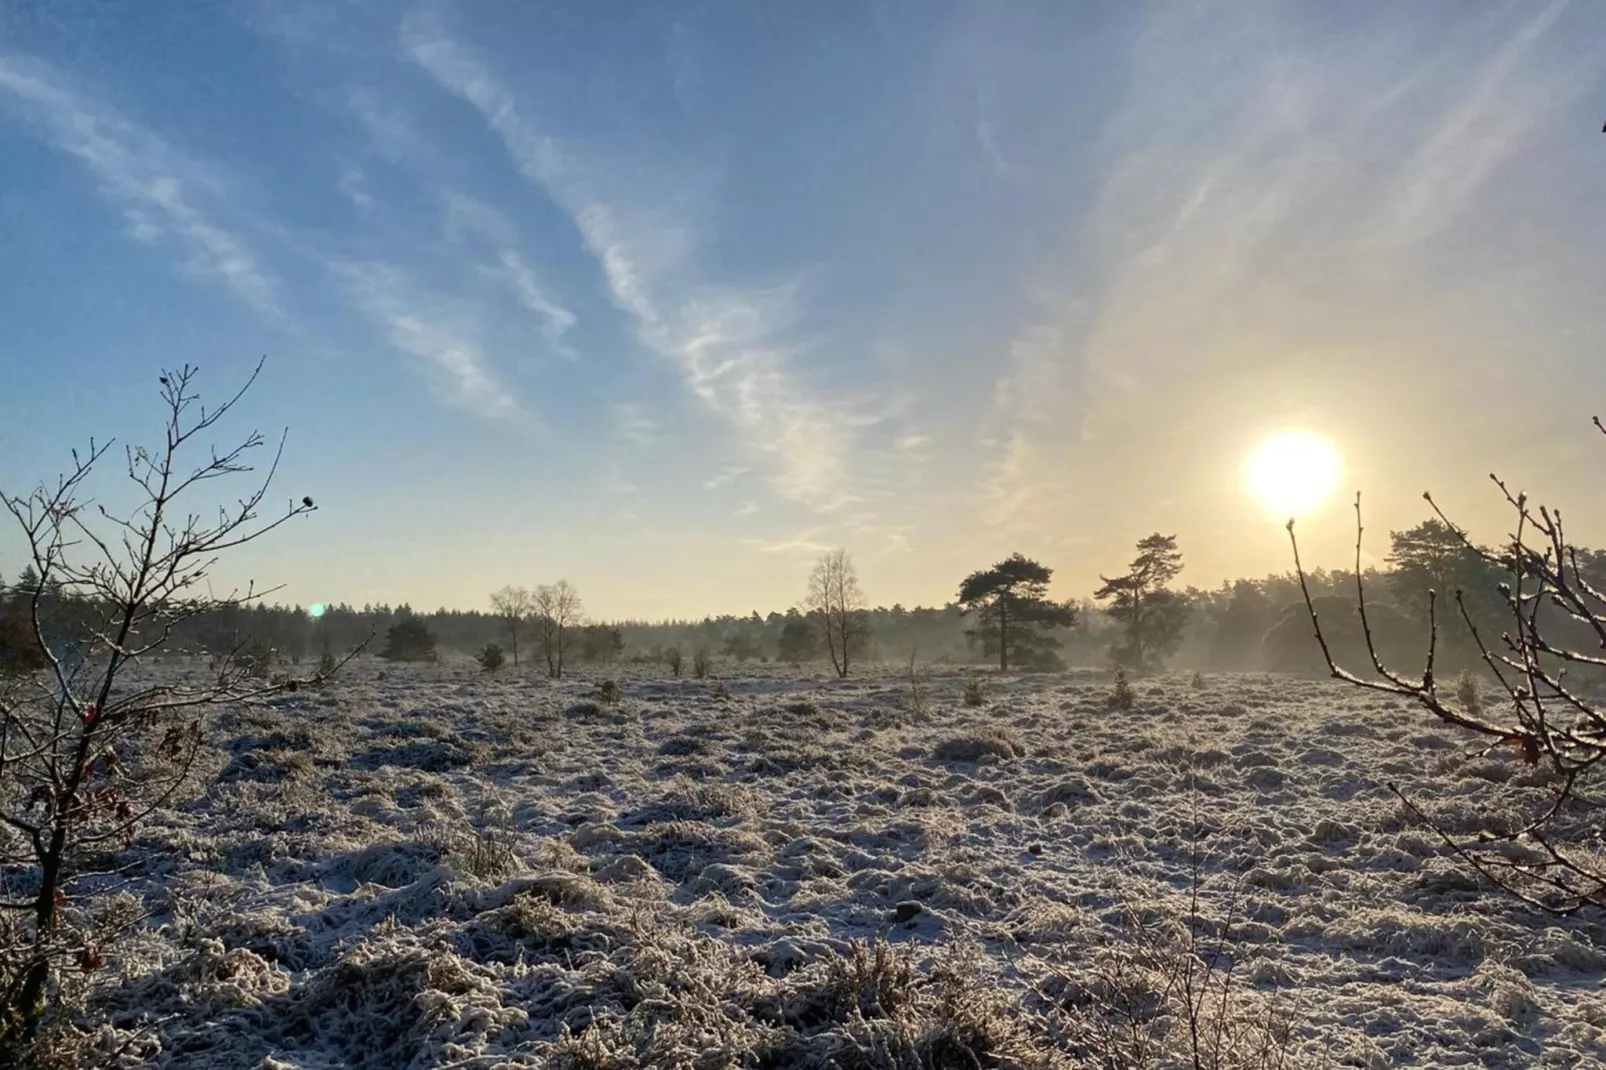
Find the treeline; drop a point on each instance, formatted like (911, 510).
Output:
(1000, 615)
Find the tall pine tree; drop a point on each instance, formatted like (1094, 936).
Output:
(1014, 615)
(1151, 615)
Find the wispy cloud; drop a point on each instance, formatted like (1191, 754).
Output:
(390, 132)
(354, 187)
(989, 144)
(469, 219)
(1479, 131)
(912, 440)
(726, 476)
(632, 425)
(804, 542)
(727, 342)
(555, 319)
(157, 187)
(383, 292)
(1244, 200)
(619, 484)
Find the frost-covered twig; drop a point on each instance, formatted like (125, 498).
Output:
(83, 761)
(1550, 720)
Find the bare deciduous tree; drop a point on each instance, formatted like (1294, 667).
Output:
(837, 605)
(86, 751)
(557, 613)
(513, 605)
(1548, 718)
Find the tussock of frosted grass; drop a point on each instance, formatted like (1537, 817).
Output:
(435, 867)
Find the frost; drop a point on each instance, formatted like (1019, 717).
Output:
(450, 868)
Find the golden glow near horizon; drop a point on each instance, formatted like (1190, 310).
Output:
(1293, 472)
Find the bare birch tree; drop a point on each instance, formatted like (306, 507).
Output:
(86, 750)
(557, 613)
(513, 605)
(837, 606)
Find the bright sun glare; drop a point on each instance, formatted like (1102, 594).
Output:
(1292, 472)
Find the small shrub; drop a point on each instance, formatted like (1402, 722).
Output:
(672, 659)
(608, 693)
(490, 658)
(1469, 693)
(917, 703)
(483, 853)
(1122, 697)
(1190, 989)
(327, 666)
(258, 660)
(1198, 681)
(702, 663)
(872, 980)
(973, 695)
(971, 748)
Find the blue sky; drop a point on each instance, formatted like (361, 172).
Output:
(667, 298)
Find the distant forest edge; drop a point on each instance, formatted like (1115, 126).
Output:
(1244, 625)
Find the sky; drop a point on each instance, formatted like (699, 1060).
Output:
(667, 299)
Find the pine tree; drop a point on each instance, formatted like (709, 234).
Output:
(1151, 615)
(409, 640)
(1014, 613)
(799, 641)
(1434, 557)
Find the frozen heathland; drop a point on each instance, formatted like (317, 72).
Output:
(433, 866)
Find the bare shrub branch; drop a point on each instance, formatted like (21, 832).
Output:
(1548, 719)
(87, 753)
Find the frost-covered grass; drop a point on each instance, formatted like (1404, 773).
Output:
(432, 866)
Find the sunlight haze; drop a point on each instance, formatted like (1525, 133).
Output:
(1293, 472)
(669, 299)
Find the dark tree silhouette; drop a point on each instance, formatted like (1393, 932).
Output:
(1014, 614)
(1151, 615)
(600, 644)
(19, 647)
(1432, 557)
(409, 640)
(799, 642)
(741, 647)
(1241, 628)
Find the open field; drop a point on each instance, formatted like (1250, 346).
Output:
(431, 866)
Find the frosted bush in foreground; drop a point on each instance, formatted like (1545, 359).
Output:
(85, 756)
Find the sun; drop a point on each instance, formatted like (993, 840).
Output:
(1293, 472)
